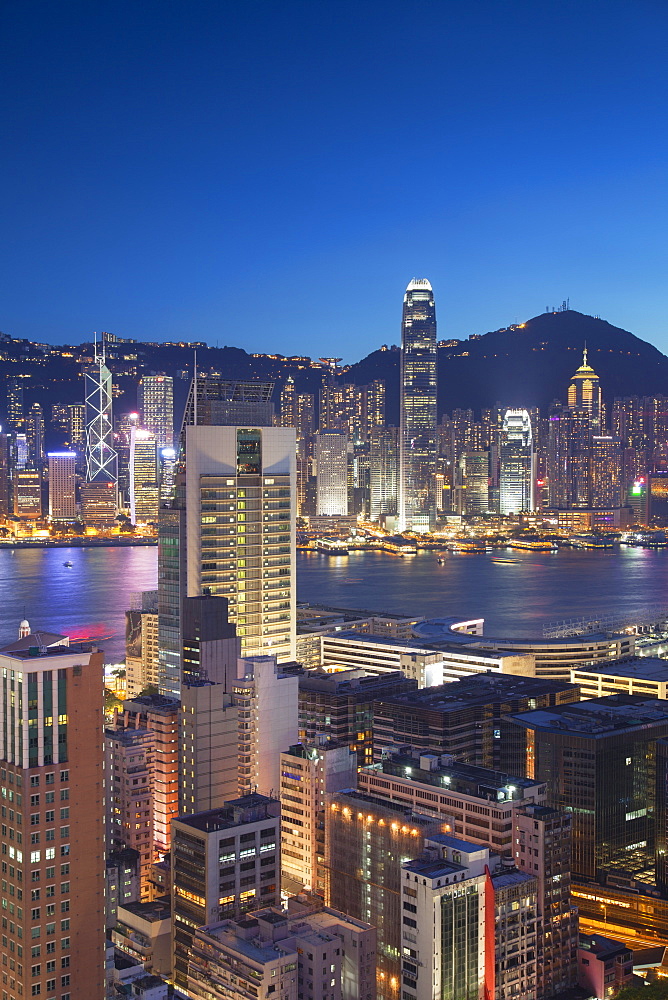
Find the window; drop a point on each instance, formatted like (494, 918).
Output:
(34, 913)
(64, 850)
(36, 989)
(49, 816)
(36, 970)
(64, 775)
(34, 780)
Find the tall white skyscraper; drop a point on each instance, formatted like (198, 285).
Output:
(417, 485)
(517, 459)
(331, 456)
(230, 530)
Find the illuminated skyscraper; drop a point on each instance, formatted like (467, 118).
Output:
(331, 455)
(584, 393)
(156, 405)
(35, 433)
(516, 454)
(231, 527)
(101, 459)
(417, 486)
(143, 475)
(62, 479)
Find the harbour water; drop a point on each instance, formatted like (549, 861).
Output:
(517, 597)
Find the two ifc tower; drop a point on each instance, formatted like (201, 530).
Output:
(418, 445)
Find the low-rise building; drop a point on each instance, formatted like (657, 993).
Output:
(604, 965)
(314, 954)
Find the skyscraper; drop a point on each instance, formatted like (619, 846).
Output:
(231, 528)
(417, 487)
(143, 475)
(516, 453)
(53, 776)
(156, 405)
(331, 455)
(101, 460)
(584, 393)
(62, 478)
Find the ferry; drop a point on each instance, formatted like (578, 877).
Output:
(332, 546)
(534, 544)
(590, 542)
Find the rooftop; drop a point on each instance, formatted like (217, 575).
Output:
(502, 879)
(237, 812)
(429, 868)
(159, 909)
(31, 651)
(450, 776)
(646, 668)
(598, 717)
(480, 689)
(230, 934)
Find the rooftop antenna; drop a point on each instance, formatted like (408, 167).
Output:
(584, 354)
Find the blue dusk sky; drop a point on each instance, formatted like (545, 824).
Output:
(271, 174)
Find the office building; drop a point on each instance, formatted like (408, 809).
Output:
(465, 717)
(313, 954)
(468, 924)
(288, 403)
(517, 460)
(382, 654)
(225, 863)
(160, 716)
(99, 504)
(53, 777)
(35, 434)
(267, 700)
(606, 472)
(383, 472)
(331, 457)
(340, 706)
(617, 737)
(101, 458)
(366, 838)
(62, 485)
(27, 494)
(417, 458)
(475, 467)
(231, 528)
(76, 426)
(143, 476)
(308, 773)
(15, 404)
(584, 394)
(554, 657)
(155, 398)
(641, 675)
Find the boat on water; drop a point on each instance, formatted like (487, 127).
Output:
(68, 564)
(496, 559)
